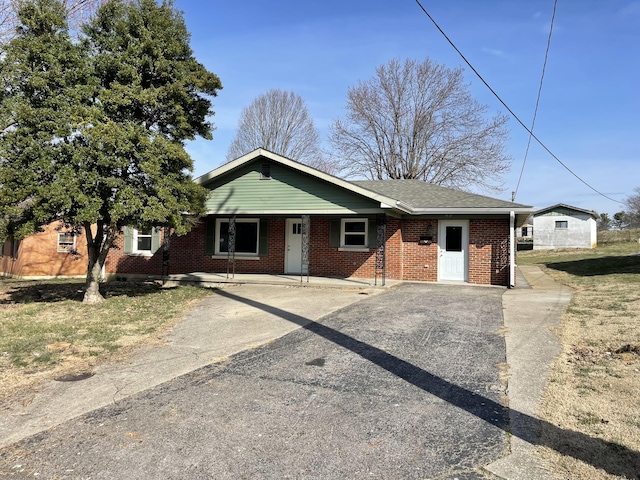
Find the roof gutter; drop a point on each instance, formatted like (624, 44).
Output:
(469, 211)
(512, 249)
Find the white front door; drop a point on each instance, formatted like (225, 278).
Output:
(293, 239)
(453, 243)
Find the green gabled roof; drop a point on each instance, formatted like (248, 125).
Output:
(421, 195)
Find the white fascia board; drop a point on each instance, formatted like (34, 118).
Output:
(227, 167)
(471, 211)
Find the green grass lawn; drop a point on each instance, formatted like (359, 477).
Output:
(46, 330)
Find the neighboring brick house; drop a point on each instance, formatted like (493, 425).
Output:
(292, 219)
(564, 226)
(53, 252)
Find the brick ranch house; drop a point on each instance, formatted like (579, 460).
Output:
(269, 214)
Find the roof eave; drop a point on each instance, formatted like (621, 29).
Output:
(569, 207)
(471, 211)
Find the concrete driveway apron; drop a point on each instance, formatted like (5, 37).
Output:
(404, 384)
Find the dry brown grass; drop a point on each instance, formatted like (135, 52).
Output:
(46, 331)
(594, 385)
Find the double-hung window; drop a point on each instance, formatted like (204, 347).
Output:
(353, 232)
(142, 240)
(66, 242)
(246, 240)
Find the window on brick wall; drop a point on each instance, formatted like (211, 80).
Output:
(247, 236)
(66, 242)
(353, 232)
(142, 240)
(562, 224)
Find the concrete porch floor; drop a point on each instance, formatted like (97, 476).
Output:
(213, 279)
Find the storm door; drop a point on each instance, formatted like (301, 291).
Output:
(453, 244)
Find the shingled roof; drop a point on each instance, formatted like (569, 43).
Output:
(422, 195)
(405, 197)
(568, 209)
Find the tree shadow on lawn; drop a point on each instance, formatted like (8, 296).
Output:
(12, 292)
(590, 267)
(614, 458)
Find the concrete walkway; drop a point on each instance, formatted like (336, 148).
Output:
(529, 313)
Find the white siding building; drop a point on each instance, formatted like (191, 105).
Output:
(564, 226)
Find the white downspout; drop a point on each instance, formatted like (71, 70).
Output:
(512, 249)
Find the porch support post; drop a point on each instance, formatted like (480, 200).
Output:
(231, 250)
(381, 248)
(306, 230)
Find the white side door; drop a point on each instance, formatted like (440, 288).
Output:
(293, 239)
(453, 243)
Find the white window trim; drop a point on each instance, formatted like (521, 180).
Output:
(134, 241)
(73, 247)
(361, 248)
(217, 251)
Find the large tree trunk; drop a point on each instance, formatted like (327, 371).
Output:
(98, 246)
(92, 284)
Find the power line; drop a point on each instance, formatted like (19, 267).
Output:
(509, 110)
(535, 112)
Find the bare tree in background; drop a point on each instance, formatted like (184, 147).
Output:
(279, 121)
(7, 22)
(632, 202)
(79, 11)
(417, 120)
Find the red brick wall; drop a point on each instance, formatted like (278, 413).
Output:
(330, 261)
(395, 248)
(187, 255)
(406, 259)
(420, 261)
(137, 264)
(326, 261)
(489, 251)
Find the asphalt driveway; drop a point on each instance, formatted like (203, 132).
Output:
(404, 384)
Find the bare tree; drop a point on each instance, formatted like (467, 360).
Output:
(604, 222)
(7, 23)
(418, 120)
(78, 12)
(279, 121)
(632, 202)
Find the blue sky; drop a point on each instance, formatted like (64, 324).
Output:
(589, 113)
